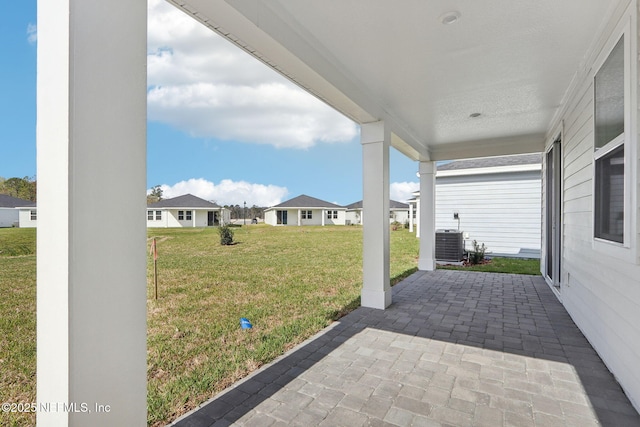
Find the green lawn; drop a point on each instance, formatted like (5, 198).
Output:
(503, 265)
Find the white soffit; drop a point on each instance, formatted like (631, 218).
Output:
(512, 61)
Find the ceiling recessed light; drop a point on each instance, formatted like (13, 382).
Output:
(474, 115)
(449, 17)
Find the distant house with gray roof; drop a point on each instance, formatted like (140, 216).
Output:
(398, 211)
(186, 211)
(305, 210)
(495, 200)
(15, 212)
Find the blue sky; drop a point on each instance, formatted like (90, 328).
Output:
(221, 125)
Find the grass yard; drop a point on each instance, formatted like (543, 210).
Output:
(289, 281)
(17, 321)
(503, 265)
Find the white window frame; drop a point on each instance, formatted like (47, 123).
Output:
(149, 215)
(180, 215)
(158, 215)
(188, 215)
(628, 249)
(33, 215)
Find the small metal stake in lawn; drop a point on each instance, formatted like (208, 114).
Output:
(154, 251)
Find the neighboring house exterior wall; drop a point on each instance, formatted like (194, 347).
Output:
(8, 217)
(599, 280)
(301, 216)
(186, 211)
(28, 218)
(305, 210)
(501, 210)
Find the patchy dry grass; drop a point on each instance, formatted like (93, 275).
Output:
(17, 322)
(289, 281)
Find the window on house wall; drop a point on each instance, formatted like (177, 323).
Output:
(335, 214)
(281, 217)
(149, 215)
(158, 215)
(609, 136)
(180, 215)
(332, 214)
(34, 215)
(306, 215)
(188, 215)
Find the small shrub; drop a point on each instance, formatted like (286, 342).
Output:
(395, 226)
(226, 235)
(406, 224)
(477, 255)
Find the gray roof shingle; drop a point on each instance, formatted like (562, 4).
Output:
(13, 202)
(184, 201)
(488, 162)
(392, 205)
(304, 201)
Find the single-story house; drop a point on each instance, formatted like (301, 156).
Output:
(494, 200)
(305, 210)
(398, 211)
(186, 211)
(16, 212)
(515, 77)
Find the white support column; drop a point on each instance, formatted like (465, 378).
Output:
(410, 217)
(376, 290)
(324, 214)
(91, 266)
(418, 217)
(299, 217)
(427, 216)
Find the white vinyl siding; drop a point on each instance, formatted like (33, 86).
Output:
(601, 281)
(500, 210)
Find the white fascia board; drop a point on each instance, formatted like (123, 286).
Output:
(491, 170)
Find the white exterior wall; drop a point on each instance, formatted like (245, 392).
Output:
(600, 282)
(500, 210)
(341, 220)
(271, 217)
(25, 219)
(353, 216)
(8, 217)
(400, 215)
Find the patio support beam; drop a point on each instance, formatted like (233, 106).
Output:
(91, 265)
(427, 216)
(376, 291)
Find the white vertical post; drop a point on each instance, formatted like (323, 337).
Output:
(376, 290)
(324, 213)
(418, 216)
(299, 217)
(427, 216)
(91, 272)
(410, 217)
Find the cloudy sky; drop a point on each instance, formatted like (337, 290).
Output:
(222, 125)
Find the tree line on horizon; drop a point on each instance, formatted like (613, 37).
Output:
(22, 188)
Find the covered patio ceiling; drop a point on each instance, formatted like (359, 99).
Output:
(425, 67)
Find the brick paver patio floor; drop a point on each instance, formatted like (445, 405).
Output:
(455, 349)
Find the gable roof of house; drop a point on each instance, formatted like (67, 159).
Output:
(304, 201)
(490, 162)
(392, 205)
(184, 201)
(14, 202)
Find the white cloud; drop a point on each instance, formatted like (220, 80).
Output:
(402, 191)
(207, 87)
(32, 33)
(227, 192)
